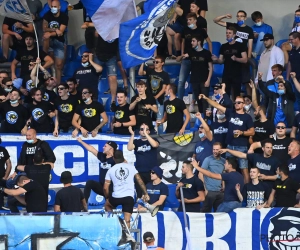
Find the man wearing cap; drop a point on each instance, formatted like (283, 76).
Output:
(149, 240)
(106, 162)
(157, 190)
(122, 176)
(69, 198)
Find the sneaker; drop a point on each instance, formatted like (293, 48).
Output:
(5, 208)
(107, 91)
(192, 108)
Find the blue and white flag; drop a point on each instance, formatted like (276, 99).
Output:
(17, 9)
(108, 14)
(139, 37)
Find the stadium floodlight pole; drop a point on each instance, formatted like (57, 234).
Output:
(187, 231)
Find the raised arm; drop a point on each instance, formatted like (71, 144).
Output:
(213, 103)
(88, 147)
(206, 172)
(218, 20)
(234, 153)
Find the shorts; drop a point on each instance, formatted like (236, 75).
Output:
(57, 48)
(176, 27)
(126, 202)
(243, 163)
(90, 39)
(203, 5)
(111, 65)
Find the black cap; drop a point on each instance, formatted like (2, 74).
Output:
(218, 86)
(267, 37)
(66, 177)
(112, 144)
(148, 237)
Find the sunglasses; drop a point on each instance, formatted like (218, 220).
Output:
(280, 127)
(156, 62)
(84, 56)
(238, 102)
(84, 93)
(9, 86)
(152, 172)
(61, 88)
(141, 129)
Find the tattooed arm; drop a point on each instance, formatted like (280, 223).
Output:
(143, 187)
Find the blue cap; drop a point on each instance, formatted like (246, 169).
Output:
(158, 171)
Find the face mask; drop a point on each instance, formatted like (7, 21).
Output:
(87, 100)
(229, 39)
(191, 26)
(221, 116)
(195, 48)
(258, 24)
(54, 10)
(7, 90)
(247, 107)
(240, 23)
(201, 135)
(30, 141)
(280, 91)
(218, 96)
(297, 19)
(85, 64)
(14, 102)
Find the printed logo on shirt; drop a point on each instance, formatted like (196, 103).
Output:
(255, 198)
(89, 112)
(46, 97)
(170, 109)
(30, 150)
(187, 185)
(54, 25)
(65, 108)
(119, 114)
(278, 147)
(84, 71)
(236, 121)
(105, 165)
(11, 117)
(263, 166)
(292, 166)
(221, 130)
(199, 149)
(155, 83)
(144, 148)
(1, 155)
(153, 191)
(198, 59)
(15, 29)
(260, 130)
(29, 85)
(242, 35)
(37, 114)
(122, 174)
(280, 187)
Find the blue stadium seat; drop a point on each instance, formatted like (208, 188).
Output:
(107, 104)
(280, 42)
(103, 85)
(71, 53)
(173, 70)
(196, 125)
(81, 50)
(107, 127)
(188, 126)
(215, 48)
(51, 198)
(70, 68)
(96, 199)
(218, 70)
(172, 202)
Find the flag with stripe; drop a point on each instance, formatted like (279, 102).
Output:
(139, 37)
(108, 14)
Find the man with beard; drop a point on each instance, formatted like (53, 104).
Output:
(294, 162)
(65, 106)
(88, 74)
(73, 90)
(6, 88)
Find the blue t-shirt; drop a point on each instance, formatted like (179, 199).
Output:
(265, 28)
(279, 115)
(231, 179)
(104, 164)
(146, 155)
(220, 131)
(215, 166)
(154, 191)
(241, 122)
(203, 149)
(294, 166)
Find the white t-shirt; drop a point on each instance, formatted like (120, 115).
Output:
(122, 176)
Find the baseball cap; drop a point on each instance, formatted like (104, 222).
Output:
(66, 177)
(112, 144)
(267, 37)
(158, 171)
(148, 237)
(218, 86)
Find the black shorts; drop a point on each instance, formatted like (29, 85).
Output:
(126, 202)
(203, 5)
(90, 39)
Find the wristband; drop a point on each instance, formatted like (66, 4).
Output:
(122, 125)
(16, 169)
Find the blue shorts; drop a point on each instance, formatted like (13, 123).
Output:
(57, 48)
(243, 163)
(176, 27)
(111, 65)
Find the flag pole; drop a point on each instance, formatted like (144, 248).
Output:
(38, 53)
(187, 232)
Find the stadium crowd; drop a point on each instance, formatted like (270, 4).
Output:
(248, 149)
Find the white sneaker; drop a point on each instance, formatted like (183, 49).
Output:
(192, 108)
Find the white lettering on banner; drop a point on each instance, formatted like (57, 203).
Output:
(12, 150)
(93, 162)
(77, 168)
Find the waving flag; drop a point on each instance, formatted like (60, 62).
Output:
(108, 14)
(17, 9)
(139, 37)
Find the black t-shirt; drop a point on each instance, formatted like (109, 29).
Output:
(25, 56)
(65, 110)
(296, 123)
(187, 35)
(190, 190)
(56, 22)
(286, 192)
(174, 110)
(145, 154)
(39, 173)
(10, 22)
(90, 115)
(14, 117)
(200, 67)
(294, 59)
(77, 97)
(40, 121)
(263, 130)
(49, 95)
(236, 121)
(105, 50)
(201, 22)
(185, 6)
(105, 164)
(69, 199)
(155, 81)
(256, 194)
(36, 197)
(280, 149)
(28, 84)
(87, 78)
(294, 166)
(220, 130)
(232, 68)
(122, 114)
(243, 34)
(142, 114)
(4, 156)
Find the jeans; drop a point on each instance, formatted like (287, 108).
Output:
(185, 70)
(213, 199)
(259, 47)
(111, 65)
(228, 206)
(243, 163)
(159, 116)
(58, 48)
